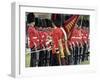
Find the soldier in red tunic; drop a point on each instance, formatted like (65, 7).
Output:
(76, 38)
(33, 38)
(49, 42)
(41, 45)
(59, 39)
(55, 37)
(43, 35)
(85, 38)
(55, 47)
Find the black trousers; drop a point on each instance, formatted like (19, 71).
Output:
(41, 58)
(76, 55)
(84, 53)
(87, 55)
(70, 57)
(80, 55)
(45, 58)
(33, 58)
(50, 63)
(48, 58)
(55, 61)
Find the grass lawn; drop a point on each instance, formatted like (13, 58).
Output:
(27, 61)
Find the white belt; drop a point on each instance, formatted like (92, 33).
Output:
(77, 37)
(34, 37)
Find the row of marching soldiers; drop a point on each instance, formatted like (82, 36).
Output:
(57, 42)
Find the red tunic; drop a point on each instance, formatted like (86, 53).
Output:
(56, 35)
(76, 36)
(33, 37)
(85, 35)
(42, 38)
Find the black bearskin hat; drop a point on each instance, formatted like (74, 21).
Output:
(30, 18)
